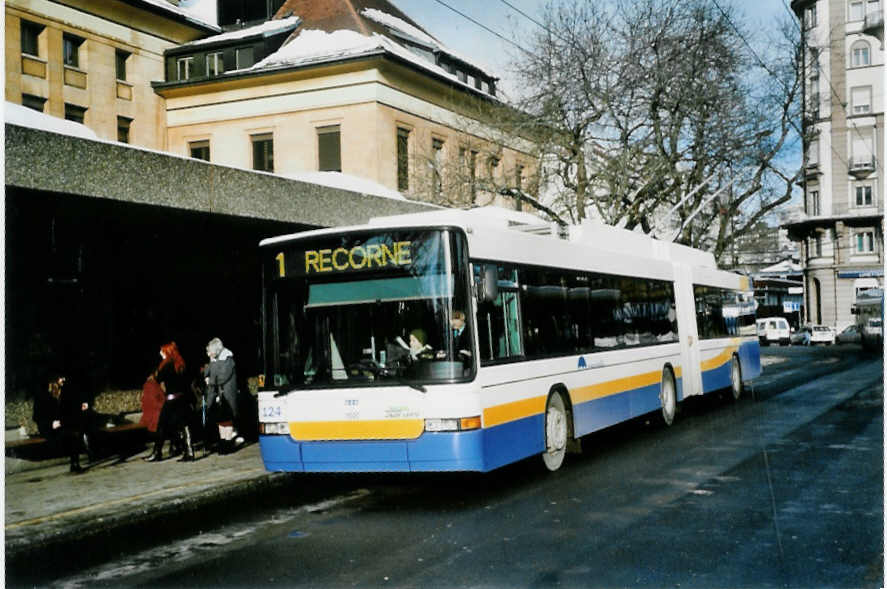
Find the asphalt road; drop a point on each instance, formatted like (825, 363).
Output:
(781, 489)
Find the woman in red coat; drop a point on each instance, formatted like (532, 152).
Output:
(173, 417)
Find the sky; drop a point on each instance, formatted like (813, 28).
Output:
(472, 40)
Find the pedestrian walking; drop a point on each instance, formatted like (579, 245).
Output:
(173, 421)
(221, 393)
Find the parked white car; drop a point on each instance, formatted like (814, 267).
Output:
(822, 334)
(773, 330)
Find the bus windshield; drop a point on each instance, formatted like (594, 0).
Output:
(359, 309)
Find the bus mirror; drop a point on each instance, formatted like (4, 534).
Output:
(489, 284)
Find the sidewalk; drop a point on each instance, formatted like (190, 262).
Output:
(47, 506)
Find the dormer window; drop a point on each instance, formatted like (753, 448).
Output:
(244, 57)
(215, 64)
(184, 68)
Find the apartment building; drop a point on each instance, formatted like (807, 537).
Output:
(350, 87)
(841, 231)
(93, 61)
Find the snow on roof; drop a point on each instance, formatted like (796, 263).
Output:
(401, 25)
(266, 28)
(345, 182)
(314, 46)
(22, 116)
(181, 11)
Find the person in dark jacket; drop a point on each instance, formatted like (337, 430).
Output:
(220, 396)
(173, 423)
(61, 414)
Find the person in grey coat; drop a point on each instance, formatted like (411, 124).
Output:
(220, 396)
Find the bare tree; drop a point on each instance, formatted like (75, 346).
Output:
(657, 114)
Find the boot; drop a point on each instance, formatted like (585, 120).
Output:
(176, 446)
(189, 449)
(157, 454)
(90, 455)
(75, 464)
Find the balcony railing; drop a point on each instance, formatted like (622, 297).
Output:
(862, 165)
(874, 24)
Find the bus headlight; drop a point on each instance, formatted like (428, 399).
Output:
(452, 424)
(274, 429)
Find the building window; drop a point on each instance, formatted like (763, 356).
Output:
(215, 64)
(184, 65)
(864, 195)
(243, 57)
(30, 33)
(263, 152)
(437, 165)
(329, 149)
(864, 242)
(33, 102)
(810, 16)
(817, 245)
(123, 126)
(71, 50)
(472, 173)
(814, 203)
(403, 159)
(492, 166)
(860, 54)
(861, 99)
(199, 150)
(519, 177)
(857, 10)
(75, 113)
(120, 58)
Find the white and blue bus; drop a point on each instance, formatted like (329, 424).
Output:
(449, 341)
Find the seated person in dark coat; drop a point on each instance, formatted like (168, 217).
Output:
(61, 414)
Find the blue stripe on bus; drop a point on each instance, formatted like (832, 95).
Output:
(430, 452)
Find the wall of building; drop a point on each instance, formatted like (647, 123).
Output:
(368, 100)
(105, 27)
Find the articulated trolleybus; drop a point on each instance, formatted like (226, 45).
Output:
(452, 341)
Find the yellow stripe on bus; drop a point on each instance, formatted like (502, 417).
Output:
(717, 361)
(513, 411)
(615, 387)
(375, 429)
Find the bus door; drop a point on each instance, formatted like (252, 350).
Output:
(691, 372)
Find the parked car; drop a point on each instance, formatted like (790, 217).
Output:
(802, 336)
(822, 334)
(773, 330)
(850, 335)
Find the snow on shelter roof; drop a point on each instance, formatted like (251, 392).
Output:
(22, 116)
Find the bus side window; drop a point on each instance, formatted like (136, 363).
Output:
(498, 321)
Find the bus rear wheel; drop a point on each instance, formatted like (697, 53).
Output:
(668, 396)
(557, 431)
(736, 378)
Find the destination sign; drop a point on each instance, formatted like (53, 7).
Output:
(378, 253)
(358, 257)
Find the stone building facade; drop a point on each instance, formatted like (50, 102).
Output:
(841, 230)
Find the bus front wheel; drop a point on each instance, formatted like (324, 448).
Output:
(668, 396)
(557, 431)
